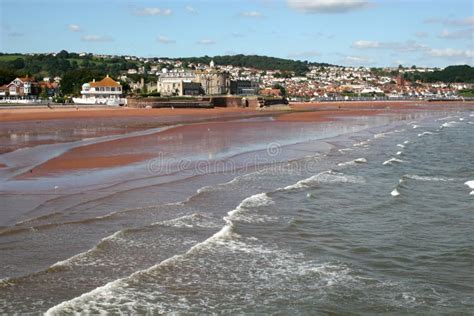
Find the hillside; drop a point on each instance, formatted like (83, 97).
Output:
(462, 73)
(255, 61)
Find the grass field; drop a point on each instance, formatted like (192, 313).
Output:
(9, 57)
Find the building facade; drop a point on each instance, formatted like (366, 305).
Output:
(172, 83)
(106, 91)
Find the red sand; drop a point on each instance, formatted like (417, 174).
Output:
(8, 115)
(135, 149)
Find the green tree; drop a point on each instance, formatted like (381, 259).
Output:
(72, 81)
(44, 93)
(282, 89)
(6, 76)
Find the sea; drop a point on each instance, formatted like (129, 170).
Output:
(373, 219)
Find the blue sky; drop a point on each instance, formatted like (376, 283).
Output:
(343, 32)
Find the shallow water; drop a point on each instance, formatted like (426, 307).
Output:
(323, 232)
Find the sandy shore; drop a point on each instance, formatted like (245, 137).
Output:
(31, 114)
(188, 137)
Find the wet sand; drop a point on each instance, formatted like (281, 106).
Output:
(113, 153)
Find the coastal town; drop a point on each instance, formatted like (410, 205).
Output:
(163, 77)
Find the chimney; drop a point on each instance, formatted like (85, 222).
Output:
(93, 80)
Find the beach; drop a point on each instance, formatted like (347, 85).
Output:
(184, 190)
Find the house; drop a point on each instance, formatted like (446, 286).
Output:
(23, 88)
(243, 87)
(106, 91)
(51, 87)
(171, 83)
(3, 91)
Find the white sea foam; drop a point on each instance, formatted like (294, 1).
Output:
(391, 161)
(353, 162)
(105, 291)
(343, 150)
(326, 177)
(80, 256)
(415, 126)
(400, 145)
(426, 133)
(426, 178)
(406, 142)
(470, 184)
(188, 221)
(362, 143)
(449, 124)
(395, 192)
(399, 153)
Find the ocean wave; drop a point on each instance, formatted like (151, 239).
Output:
(448, 124)
(255, 267)
(188, 221)
(353, 162)
(326, 177)
(242, 213)
(394, 192)
(79, 258)
(382, 135)
(426, 133)
(401, 145)
(344, 150)
(399, 153)
(225, 233)
(470, 184)
(445, 118)
(426, 178)
(391, 161)
(363, 143)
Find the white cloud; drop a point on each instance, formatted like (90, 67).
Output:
(456, 22)
(366, 44)
(251, 14)
(74, 28)
(328, 6)
(206, 41)
(96, 38)
(462, 34)
(153, 12)
(305, 54)
(408, 46)
(451, 53)
(165, 40)
(190, 9)
(357, 61)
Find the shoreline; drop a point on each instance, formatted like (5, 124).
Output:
(194, 125)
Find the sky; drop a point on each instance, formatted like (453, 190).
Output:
(372, 33)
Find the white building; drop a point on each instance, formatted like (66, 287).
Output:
(107, 92)
(171, 83)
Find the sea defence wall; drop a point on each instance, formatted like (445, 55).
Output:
(204, 102)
